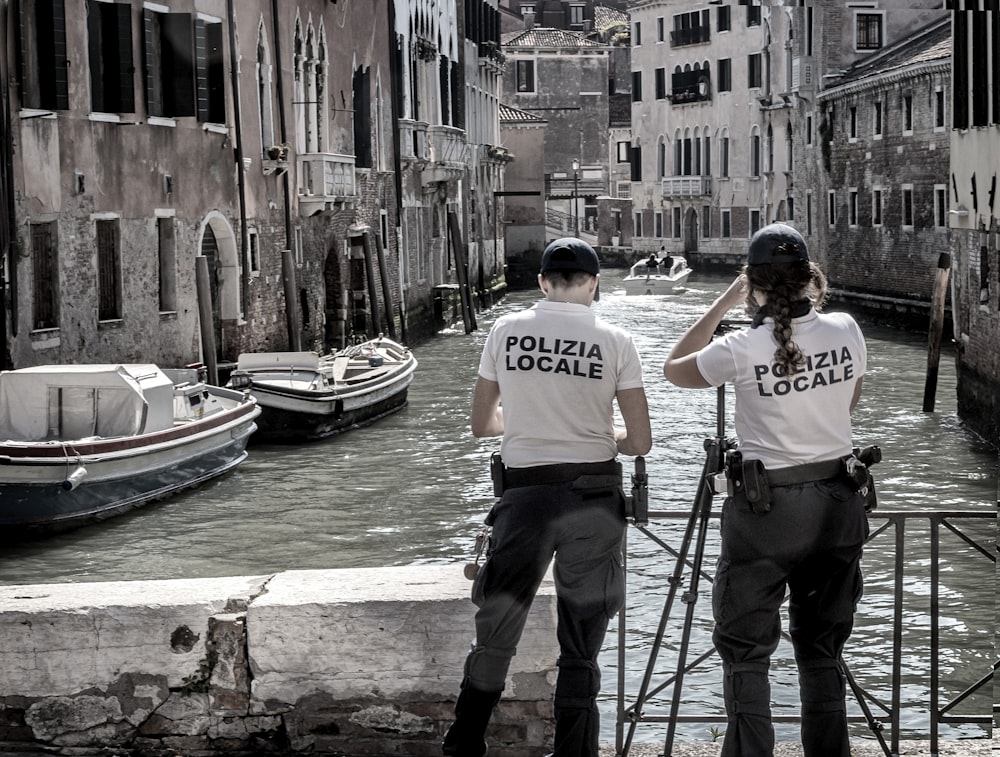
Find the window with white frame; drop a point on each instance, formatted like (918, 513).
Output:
(658, 224)
(877, 119)
(940, 206)
(755, 217)
(754, 156)
(809, 212)
(877, 205)
(524, 74)
(907, 209)
(706, 222)
(637, 34)
(853, 128)
(831, 207)
(852, 206)
(809, 130)
(939, 109)
(907, 115)
(724, 154)
(637, 225)
(725, 216)
(676, 223)
(868, 30)
(661, 29)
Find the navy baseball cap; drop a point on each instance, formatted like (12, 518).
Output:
(570, 254)
(777, 243)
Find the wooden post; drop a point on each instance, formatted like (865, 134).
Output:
(935, 329)
(291, 301)
(461, 268)
(383, 273)
(205, 320)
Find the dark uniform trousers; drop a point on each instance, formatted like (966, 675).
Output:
(530, 525)
(810, 542)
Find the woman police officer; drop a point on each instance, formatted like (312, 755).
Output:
(797, 375)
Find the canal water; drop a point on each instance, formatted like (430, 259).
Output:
(414, 487)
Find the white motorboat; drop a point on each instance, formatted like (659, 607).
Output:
(82, 443)
(657, 275)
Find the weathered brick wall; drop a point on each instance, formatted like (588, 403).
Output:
(356, 662)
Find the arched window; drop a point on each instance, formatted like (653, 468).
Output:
(754, 156)
(265, 103)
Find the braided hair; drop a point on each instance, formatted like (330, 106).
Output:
(784, 285)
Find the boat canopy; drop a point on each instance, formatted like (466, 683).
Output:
(71, 402)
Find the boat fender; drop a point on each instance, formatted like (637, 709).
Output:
(74, 479)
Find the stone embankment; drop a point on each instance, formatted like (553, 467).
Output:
(349, 662)
(339, 662)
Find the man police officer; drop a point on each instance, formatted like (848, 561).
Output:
(548, 380)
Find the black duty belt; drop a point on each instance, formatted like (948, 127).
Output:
(803, 474)
(559, 473)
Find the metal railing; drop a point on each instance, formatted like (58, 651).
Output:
(880, 716)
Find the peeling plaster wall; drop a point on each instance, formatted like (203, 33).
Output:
(364, 661)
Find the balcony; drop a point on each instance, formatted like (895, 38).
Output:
(325, 179)
(447, 153)
(686, 186)
(413, 142)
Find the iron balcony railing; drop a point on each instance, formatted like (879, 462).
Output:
(897, 539)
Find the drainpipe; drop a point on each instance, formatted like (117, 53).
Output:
(8, 211)
(288, 269)
(238, 154)
(397, 164)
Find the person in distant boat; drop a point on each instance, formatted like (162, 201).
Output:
(794, 518)
(549, 378)
(651, 261)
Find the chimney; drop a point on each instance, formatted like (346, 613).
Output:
(529, 21)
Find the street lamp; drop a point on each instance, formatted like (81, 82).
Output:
(576, 187)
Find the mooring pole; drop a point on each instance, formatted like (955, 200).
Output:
(935, 329)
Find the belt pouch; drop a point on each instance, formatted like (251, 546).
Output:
(496, 473)
(758, 491)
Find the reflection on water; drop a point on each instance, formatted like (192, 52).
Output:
(414, 487)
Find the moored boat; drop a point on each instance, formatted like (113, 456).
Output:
(657, 276)
(305, 396)
(82, 443)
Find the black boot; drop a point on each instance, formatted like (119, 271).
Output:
(467, 735)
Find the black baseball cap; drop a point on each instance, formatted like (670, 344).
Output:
(777, 243)
(570, 254)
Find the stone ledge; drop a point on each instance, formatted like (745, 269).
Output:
(295, 662)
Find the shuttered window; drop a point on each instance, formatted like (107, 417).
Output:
(43, 66)
(209, 71)
(44, 276)
(108, 271)
(168, 62)
(109, 47)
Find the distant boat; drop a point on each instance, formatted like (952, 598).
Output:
(304, 396)
(667, 274)
(82, 443)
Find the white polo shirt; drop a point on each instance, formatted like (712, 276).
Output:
(790, 420)
(559, 368)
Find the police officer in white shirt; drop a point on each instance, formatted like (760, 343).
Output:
(557, 370)
(794, 519)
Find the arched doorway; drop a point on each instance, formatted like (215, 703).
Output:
(691, 231)
(218, 244)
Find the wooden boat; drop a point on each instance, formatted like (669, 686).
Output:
(82, 443)
(668, 273)
(304, 396)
